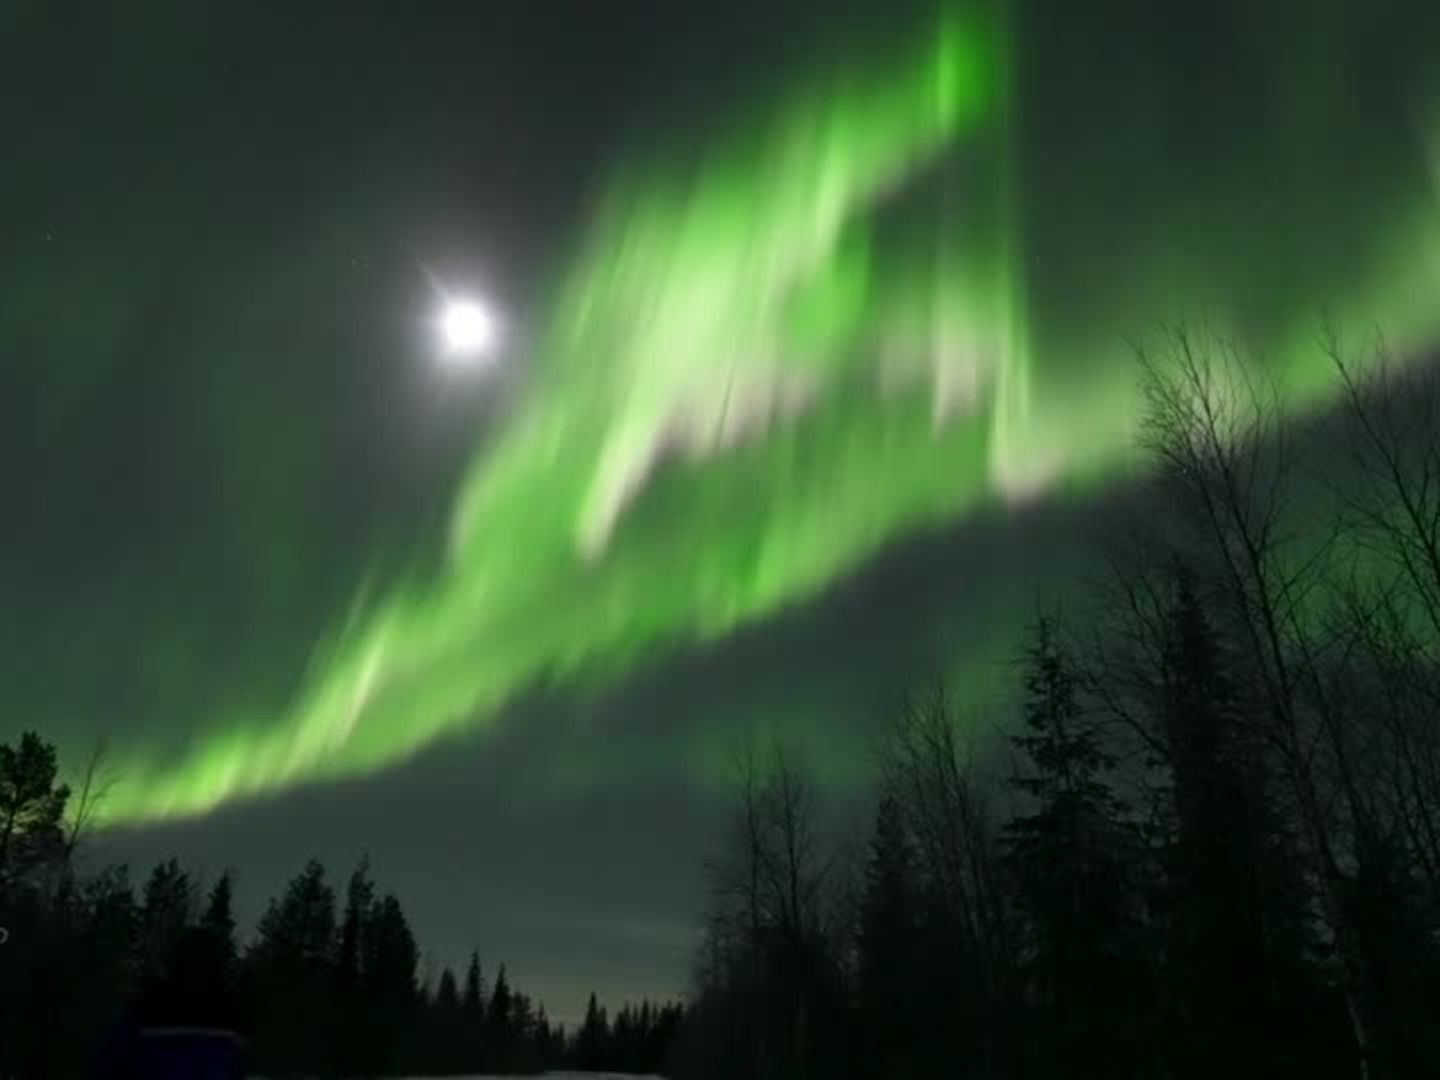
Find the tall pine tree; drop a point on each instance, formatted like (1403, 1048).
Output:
(592, 1040)
(472, 1011)
(389, 986)
(1073, 863)
(166, 912)
(499, 1030)
(205, 963)
(1238, 924)
(291, 966)
(887, 941)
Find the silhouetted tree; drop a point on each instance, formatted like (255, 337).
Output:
(355, 1035)
(1390, 622)
(1218, 436)
(549, 1042)
(1072, 858)
(389, 959)
(203, 984)
(86, 962)
(964, 956)
(774, 994)
(359, 898)
(32, 810)
(1238, 940)
(473, 1012)
(524, 1054)
(291, 973)
(39, 907)
(499, 1021)
(888, 943)
(166, 912)
(592, 1040)
(114, 921)
(445, 1027)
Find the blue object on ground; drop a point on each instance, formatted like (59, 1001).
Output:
(180, 1054)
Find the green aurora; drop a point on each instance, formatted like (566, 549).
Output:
(777, 355)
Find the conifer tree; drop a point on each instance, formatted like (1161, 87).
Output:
(1238, 932)
(1073, 864)
(887, 939)
(165, 913)
(204, 979)
(32, 810)
(498, 1024)
(292, 976)
(472, 1009)
(593, 1037)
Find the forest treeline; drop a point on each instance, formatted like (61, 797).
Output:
(327, 985)
(1205, 843)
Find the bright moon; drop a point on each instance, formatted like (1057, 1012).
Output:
(469, 329)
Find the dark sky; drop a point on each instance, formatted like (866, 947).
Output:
(215, 416)
(215, 419)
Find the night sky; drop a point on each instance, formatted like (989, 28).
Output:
(221, 413)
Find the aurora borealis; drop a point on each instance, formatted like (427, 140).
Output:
(711, 318)
(878, 280)
(751, 379)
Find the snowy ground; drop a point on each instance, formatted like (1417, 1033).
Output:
(552, 1076)
(542, 1076)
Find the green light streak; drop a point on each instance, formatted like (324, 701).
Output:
(753, 379)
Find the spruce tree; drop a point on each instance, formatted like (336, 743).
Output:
(591, 1043)
(165, 913)
(498, 1024)
(359, 898)
(887, 940)
(1073, 862)
(389, 962)
(472, 1009)
(1238, 928)
(218, 921)
(292, 975)
(355, 1034)
(204, 978)
(447, 1031)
